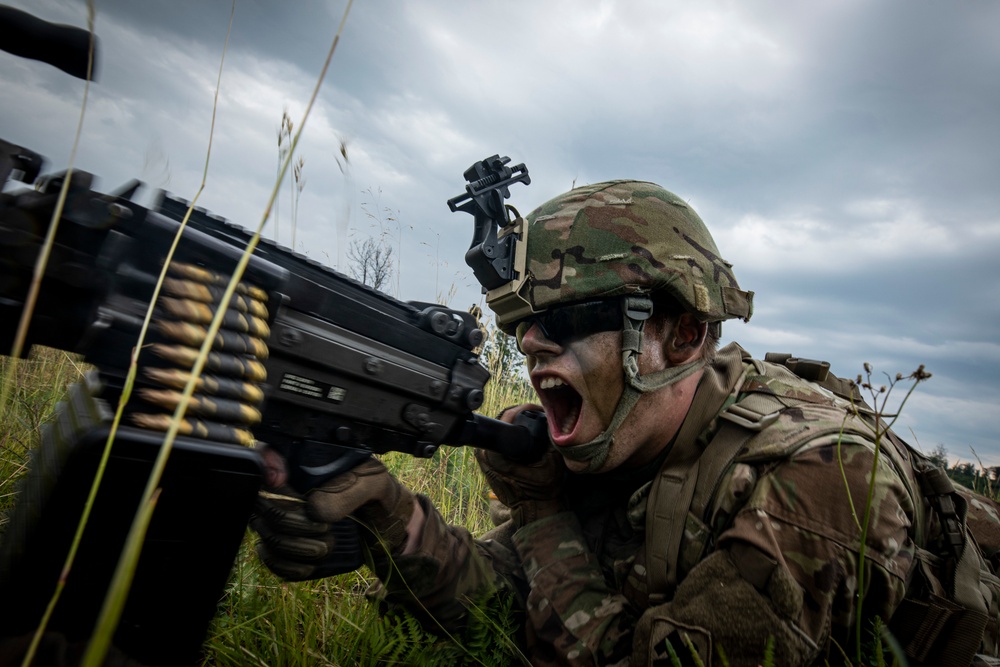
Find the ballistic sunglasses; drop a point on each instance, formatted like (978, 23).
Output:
(567, 323)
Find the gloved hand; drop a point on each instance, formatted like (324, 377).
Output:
(372, 495)
(296, 547)
(531, 491)
(313, 536)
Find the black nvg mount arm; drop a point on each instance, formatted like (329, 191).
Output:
(489, 181)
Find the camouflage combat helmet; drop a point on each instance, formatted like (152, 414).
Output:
(620, 237)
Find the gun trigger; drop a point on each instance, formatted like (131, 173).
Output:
(344, 459)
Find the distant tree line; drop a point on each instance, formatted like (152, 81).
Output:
(973, 476)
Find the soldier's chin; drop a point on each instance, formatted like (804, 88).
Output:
(583, 467)
(577, 467)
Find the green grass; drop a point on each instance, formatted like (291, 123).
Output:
(37, 385)
(263, 620)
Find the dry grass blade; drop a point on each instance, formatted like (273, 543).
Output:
(114, 603)
(880, 430)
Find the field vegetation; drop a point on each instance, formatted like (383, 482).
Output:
(263, 620)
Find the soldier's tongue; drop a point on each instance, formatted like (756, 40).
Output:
(563, 408)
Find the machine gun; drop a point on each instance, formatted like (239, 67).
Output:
(318, 366)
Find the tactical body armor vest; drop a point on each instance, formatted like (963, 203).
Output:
(953, 596)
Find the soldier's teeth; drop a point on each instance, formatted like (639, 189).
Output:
(551, 383)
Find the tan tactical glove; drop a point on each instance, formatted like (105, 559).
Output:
(531, 491)
(316, 536)
(296, 547)
(371, 494)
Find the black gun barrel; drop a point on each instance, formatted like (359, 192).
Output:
(525, 440)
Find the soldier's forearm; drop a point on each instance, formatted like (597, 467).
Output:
(438, 573)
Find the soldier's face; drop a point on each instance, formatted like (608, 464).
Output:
(580, 383)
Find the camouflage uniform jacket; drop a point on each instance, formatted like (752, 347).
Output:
(775, 554)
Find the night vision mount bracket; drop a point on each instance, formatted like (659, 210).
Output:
(492, 259)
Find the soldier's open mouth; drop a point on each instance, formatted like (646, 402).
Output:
(562, 405)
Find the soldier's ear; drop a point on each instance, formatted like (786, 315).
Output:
(684, 343)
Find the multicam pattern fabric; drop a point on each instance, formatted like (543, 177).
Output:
(620, 237)
(775, 555)
(984, 522)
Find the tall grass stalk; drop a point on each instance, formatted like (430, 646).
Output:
(300, 184)
(879, 429)
(284, 137)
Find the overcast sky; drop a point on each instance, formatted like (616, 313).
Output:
(846, 155)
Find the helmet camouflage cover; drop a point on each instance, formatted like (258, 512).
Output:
(615, 238)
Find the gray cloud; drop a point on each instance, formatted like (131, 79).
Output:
(843, 153)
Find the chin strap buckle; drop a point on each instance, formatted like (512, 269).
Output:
(635, 310)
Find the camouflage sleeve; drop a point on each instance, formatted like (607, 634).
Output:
(575, 617)
(448, 572)
(787, 567)
(984, 523)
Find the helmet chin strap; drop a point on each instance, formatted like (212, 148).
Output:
(636, 309)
